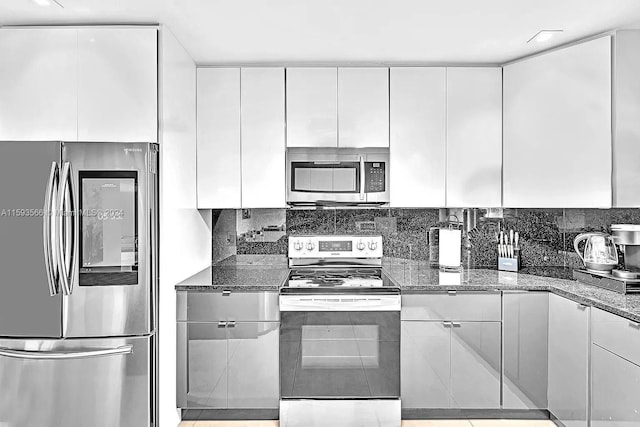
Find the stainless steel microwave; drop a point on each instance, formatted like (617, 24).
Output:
(337, 176)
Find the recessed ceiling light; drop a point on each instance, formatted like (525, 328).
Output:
(544, 35)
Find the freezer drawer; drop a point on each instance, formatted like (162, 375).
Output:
(77, 383)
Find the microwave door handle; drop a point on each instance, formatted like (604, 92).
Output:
(362, 184)
(47, 217)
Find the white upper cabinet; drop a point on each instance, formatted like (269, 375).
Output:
(263, 138)
(38, 78)
(626, 114)
(417, 131)
(474, 137)
(218, 158)
(557, 128)
(312, 107)
(117, 84)
(363, 107)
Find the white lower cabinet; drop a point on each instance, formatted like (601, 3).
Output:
(615, 370)
(525, 341)
(568, 361)
(450, 365)
(228, 350)
(615, 390)
(425, 365)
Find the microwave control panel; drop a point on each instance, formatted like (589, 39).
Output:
(374, 177)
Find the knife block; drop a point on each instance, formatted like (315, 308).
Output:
(508, 263)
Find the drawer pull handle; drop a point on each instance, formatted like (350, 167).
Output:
(222, 324)
(456, 324)
(634, 325)
(226, 293)
(447, 324)
(231, 324)
(452, 292)
(582, 306)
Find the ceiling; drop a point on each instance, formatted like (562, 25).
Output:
(347, 31)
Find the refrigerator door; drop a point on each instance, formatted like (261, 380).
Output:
(27, 308)
(77, 383)
(114, 187)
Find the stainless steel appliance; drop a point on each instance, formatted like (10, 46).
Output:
(339, 336)
(78, 290)
(337, 176)
(600, 252)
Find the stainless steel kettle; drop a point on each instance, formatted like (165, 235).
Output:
(600, 252)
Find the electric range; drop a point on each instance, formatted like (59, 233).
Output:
(339, 335)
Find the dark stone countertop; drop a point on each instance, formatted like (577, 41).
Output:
(415, 277)
(240, 274)
(268, 273)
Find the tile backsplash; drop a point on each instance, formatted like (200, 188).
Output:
(546, 235)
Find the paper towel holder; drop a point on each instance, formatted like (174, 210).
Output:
(452, 244)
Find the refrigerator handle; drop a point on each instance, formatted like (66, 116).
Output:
(47, 217)
(61, 355)
(66, 257)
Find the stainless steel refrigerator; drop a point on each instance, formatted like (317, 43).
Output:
(78, 284)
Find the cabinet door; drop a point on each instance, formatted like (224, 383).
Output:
(218, 110)
(363, 107)
(425, 365)
(202, 365)
(263, 138)
(474, 137)
(615, 387)
(568, 360)
(312, 107)
(253, 365)
(475, 365)
(557, 128)
(117, 84)
(525, 343)
(626, 126)
(38, 74)
(417, 136)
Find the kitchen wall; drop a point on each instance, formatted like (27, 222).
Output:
(546, 235)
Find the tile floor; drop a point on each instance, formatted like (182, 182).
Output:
(407, 423)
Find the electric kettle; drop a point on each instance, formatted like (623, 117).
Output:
(600, 253)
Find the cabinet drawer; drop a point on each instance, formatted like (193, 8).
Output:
(616, 334)
(468, 306)
(239, 306)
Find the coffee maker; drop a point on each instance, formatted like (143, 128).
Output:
(626, 277)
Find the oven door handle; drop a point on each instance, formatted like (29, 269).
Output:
(339, 303)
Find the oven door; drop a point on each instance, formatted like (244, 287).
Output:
(340, 354)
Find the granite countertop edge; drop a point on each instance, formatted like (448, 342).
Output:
(256, 278)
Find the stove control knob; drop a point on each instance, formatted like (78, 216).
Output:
(373, 245)
(298, 246)
(360, 245)
(310, 245)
